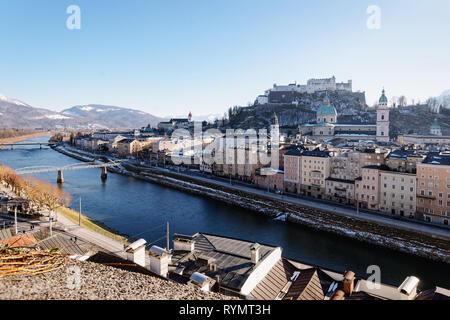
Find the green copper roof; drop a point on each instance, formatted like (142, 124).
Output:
(435, 125)
(326, 110)
(383, 97)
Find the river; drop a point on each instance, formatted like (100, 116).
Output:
(141, 209)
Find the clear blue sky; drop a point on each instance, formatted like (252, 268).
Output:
(169, 57)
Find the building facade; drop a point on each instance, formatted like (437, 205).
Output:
(433, 189)
(398, 193)
(367, 188)
(315, 166)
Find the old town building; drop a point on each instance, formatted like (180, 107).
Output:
(433, 188)
(315, 166)
(398, 193)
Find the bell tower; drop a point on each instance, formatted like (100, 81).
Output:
(383, 119)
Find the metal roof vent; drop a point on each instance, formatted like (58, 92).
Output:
(409, 286)
(202, 281)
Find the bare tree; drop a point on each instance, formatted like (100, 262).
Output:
(402, 101)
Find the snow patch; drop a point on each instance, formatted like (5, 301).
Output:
(13, 101)
(56, 116)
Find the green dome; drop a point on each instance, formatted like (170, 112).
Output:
(383, 98)
(326, 109)
(435, 125)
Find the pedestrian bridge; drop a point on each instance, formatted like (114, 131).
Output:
(74, 166)
(12, 144)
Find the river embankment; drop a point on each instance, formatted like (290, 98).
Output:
(24, 137)
(402, 240)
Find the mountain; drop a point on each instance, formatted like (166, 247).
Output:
(17, 114)
(112, 116)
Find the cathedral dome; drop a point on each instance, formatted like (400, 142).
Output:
(326, 109)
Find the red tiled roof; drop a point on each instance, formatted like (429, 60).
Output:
(21, 240)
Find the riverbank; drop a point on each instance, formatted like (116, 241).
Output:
(398, 239)
(93, 225)
(74, 219)
(24, 137)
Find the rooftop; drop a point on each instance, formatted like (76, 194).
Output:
(231, 256)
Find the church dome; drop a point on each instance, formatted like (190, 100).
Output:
(326, 109)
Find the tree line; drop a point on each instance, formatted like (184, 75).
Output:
(12, 133)
(40, 194)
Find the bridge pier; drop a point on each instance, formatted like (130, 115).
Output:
(104, 174)
(60, 178)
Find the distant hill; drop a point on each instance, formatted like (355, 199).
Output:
(17, 114)
(418, 120)
(113, 116)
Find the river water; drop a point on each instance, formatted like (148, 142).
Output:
(141, 209)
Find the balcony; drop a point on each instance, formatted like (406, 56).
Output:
(426, 196)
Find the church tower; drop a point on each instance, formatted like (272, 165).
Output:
(383, 119)
(274, 124)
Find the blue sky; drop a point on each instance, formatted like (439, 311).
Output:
(170, 57)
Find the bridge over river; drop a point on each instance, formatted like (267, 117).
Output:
(74, 166)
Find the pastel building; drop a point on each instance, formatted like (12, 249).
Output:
(292, 170)
(315, 166)
(367, 188)
(433, 188)
(398, 193)
(269, 178)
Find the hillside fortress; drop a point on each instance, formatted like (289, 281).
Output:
(312, 86)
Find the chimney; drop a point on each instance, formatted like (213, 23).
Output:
(338, 295)
(349, 281)
(159, 261)
(183, 243)
(136, 252)
(255, 254)
(409, 287)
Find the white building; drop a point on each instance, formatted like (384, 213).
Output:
(383, 119)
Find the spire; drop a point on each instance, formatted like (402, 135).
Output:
(326, 100)
(275, 119)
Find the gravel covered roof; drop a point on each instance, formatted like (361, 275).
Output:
(97, 282)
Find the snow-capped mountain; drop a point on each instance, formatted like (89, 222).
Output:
(113, 116)
(11, 101)
(17, 114)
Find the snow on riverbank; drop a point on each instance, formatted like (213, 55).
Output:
(396, 239)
